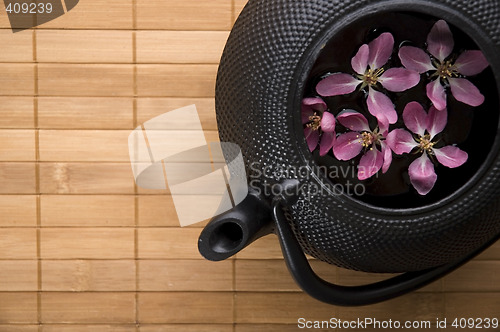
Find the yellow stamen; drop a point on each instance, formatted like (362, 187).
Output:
(371, 76)
(446, 70)
(367, 139)
(425, 144)
(315, 122)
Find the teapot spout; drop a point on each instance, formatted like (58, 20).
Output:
(230, 232)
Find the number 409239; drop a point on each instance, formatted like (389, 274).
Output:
(29, 8)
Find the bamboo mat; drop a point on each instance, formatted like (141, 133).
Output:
(83, 249)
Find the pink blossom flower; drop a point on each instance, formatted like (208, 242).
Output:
(376, 154)
(368, 64)
(425, 127)
(447, 71)
(319, 125)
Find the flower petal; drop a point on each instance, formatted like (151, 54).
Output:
(399, 79)
(381, 50)
(471, 63)
(316, 104)
(436, 121)
(309, 106)
(370, 164)
(353, 120)
(360, 61)
(466, 92)
(383, 124)
(381, 106)
(400, 141)
(451, 156)
(422, 175)
(326, 144)
(386, 150)
(328, 122)
(440, 41)
(347, 146)
(415, 59)
(415, 118)
(337, 84)
(437, 94)
(312, 138)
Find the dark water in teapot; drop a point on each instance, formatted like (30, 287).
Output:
(473, 129)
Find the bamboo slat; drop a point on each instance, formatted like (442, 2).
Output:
(83, 145)
(249, 275)
(88, 328)
(412, 307)
(18, 276)
(92, 80)
(18, 243)
(194, 47)
(17, 112)
(87, 243)
(19, 328)
(149, 108)
(88, 275)
(185, 275)
(16, 47)
(178, 80)
(279, 308)
(471, 305)
(17, 210)
(17, 178)
(182, 307)
(17, 145)
(96, 14)
(18, 308)
(267, 247)
(186, 328)
(85, 113)
(475, 277)
(185, 15)
(87, 210)
(84, 308)
(17, 79)
(86, 178)
(168, 243)
(84, 46)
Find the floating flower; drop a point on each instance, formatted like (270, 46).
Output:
(425, 127)
(447, 70)
(376, 154)
(369, 64)
(318, 122)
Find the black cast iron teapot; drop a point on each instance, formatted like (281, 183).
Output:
(277, 54)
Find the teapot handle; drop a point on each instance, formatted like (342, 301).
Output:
(324, 291)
